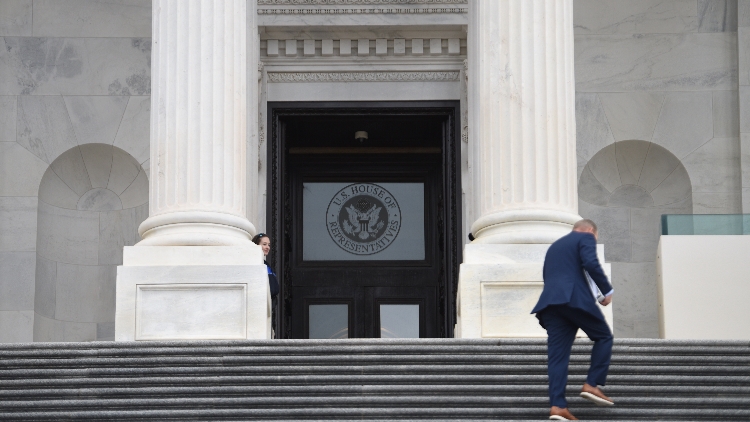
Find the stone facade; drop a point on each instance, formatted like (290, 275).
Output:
(659, 99)
(74, 115)
(658, 120)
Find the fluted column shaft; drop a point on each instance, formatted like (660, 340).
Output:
(522, 120)
(198, 124)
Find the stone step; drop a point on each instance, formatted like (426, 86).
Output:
(318, 389)
(386, 414)
(361, 400)
(647, 372)
(364, 380)
(83, 378)
(370, 359)
(379, 345)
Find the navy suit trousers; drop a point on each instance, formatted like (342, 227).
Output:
(562, 323)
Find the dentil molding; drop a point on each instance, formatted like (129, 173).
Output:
(341, 11)
(287, 77)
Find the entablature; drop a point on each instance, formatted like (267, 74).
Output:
(361, 12)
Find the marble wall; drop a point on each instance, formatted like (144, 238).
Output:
(72, 73)
(743, 47)
(657, 94)
(91, 201)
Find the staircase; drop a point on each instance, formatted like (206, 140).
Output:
(426, 379)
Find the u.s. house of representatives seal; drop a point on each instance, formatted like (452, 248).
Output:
(363, 218)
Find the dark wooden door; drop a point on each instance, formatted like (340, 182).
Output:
(362, 284)
(382, 262)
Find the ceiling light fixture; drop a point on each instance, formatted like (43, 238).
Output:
(361, 136)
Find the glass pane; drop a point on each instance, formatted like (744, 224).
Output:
(329, 321)
(363, 221)
(705, 224)
(399, 321)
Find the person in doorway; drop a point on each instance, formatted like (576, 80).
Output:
(262, 240)
(568, 303)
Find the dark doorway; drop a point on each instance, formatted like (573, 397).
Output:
(366, 232)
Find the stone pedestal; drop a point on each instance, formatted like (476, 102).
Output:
(702, 287)
(196, 274)
(522, 159)
(192, 293)
(498, 287)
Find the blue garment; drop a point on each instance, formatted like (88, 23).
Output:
(564, 281)
(567, 304)
(562, 324)
(273, 282)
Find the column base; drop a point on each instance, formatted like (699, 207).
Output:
(523, 227)
(192, 293)
(498, 287)
(196, 228)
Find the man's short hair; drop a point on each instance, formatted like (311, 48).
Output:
(585, 224)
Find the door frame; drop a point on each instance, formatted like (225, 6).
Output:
(280, 190)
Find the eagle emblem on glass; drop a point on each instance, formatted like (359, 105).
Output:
(363, 218)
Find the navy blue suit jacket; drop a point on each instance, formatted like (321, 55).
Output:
(564, 281)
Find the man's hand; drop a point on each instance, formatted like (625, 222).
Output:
(607, 300)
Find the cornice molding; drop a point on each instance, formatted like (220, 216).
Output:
(287, 77)
(342, 11)
(354, 2)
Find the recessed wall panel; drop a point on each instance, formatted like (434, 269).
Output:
(506, 308)
(191, 311)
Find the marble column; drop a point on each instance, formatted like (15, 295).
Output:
(196, 275)
(522, 120)
(522, 161)
(199, 94)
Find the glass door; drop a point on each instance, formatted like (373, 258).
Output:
(364, 262)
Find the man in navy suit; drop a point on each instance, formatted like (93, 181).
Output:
(567, 304)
